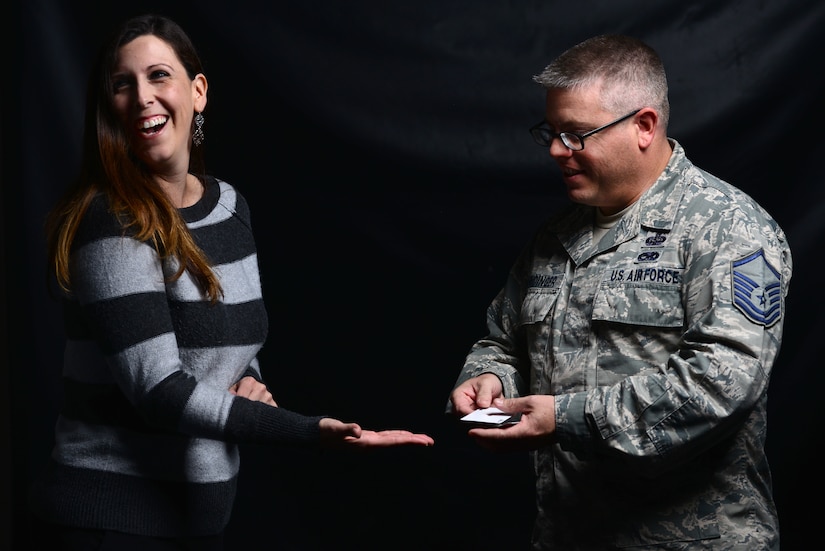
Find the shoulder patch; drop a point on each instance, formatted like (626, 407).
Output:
(757, 289)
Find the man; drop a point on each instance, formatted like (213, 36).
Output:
(636, 332)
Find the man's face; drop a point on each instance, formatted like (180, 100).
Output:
(606, 172)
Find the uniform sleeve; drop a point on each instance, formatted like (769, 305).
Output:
(501, 351)
(735, 283)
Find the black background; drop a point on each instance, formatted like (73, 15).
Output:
(383, 147)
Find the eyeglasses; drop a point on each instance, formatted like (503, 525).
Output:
(544, 136)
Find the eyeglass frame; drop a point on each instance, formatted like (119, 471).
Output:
(538, 132)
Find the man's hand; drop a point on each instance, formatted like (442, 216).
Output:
(534, 430)
(476, 393)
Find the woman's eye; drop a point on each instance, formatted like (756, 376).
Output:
(119, 84)
(155, 75)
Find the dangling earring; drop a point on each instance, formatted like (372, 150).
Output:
(197, 135)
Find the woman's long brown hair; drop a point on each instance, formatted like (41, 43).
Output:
(108, 167)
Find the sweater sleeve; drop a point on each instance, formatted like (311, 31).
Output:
(169, 360)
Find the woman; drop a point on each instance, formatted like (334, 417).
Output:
(164, 315)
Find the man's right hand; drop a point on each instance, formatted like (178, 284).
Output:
(476, 393)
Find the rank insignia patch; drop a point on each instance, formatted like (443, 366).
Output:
(757, 289)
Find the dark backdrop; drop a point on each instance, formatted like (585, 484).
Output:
(383, 147)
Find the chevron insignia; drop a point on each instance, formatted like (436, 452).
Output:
(757, 289)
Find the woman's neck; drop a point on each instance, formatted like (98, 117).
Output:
(182, 192)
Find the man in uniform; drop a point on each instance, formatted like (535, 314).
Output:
(637, 330)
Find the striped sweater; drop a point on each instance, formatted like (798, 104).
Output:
(146, 440)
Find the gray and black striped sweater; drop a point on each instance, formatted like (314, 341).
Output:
(146, 441)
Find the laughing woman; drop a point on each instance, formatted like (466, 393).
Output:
(164, 316)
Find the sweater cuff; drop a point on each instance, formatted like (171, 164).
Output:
(259, 423)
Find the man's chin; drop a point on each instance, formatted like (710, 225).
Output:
(578, 196)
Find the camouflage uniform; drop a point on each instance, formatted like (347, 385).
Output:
(658, 343)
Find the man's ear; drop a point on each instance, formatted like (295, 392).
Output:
(646, 122)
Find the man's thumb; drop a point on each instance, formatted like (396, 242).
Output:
(504, 404)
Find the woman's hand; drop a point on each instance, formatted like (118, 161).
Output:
(253, 389)
(337, 434)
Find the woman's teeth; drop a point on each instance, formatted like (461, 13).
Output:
(153, 124)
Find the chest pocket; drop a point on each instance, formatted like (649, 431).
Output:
(536, 305)
(645, 303)
(543, 290)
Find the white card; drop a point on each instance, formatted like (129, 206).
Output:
(488, 416)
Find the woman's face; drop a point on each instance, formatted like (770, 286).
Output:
(155, 101)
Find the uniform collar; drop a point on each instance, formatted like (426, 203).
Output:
(654, 210)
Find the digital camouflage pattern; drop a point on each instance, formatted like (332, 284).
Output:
(658, 343)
